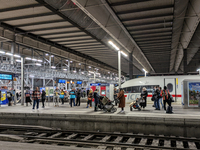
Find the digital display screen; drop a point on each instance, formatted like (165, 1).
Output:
(61, 81)
(103, 92)
(79, 82)
(6, 77)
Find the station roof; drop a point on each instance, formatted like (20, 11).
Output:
(154, 32)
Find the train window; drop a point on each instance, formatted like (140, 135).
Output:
(135, 89)
(170, 87)
(129, 90)
(124, 90)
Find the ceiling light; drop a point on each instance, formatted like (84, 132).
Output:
(144, 70)
(18, 60)
(47, 54)
(66, 60)
(28, 58)
(17, 56)
(89, 66)
(2, 52)
(74, 71)
(52, 55)
(71, 61)
(33, 59)
(10, 54)
(53, 67)
(82, 72)
(124, 53)
(38, 64)
(39, 60)
(32, 76)
(113, 45)
(65, 69)
(91, 72)
(79, 63)
(108, 72)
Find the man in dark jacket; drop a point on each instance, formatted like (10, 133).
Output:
(78, 97)
(96, 99)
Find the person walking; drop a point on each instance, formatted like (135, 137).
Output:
(165, 95)
(57, 96)
(62, 95)
(28, 97)
(121, 100)
(36, 98)
(96, 99)
(144, 95)
(43, 98)
(72, 95)
(78, 97)
(90, 96)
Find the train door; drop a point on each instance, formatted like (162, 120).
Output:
(170, 83)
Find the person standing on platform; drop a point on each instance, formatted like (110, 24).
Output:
(90, 97)
(160, 98)
(165, 94)
(28, 97)
(57, 96)
(115, 96)
(72, 95)
(96, 99)
(9, 97)
(157, 96)
(78, 97)
(62, 95)
(144, 95)
(43, 98)
(121, 98)
(36, 98)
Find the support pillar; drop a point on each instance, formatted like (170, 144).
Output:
(119, 68)
(130, 65)
(49, 61)
(44, 82)
(22, 81)
(12, 51)
(68, 66)
(94, 77)
(32, 81)
(185, 60)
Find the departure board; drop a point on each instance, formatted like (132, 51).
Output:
(6, 77)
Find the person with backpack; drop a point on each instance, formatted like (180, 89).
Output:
(72, 95)
(165, 95)
(78, 97)
(43, 98)
(27, 97)
(62, 95)
(9, 97)
(96, 99)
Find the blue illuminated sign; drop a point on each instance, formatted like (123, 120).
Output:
(99, 84)
(79, 82)
(6, 77)
(61, 81)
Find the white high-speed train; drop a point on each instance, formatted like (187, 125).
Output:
(133, 88)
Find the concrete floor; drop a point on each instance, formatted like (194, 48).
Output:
(149, 111)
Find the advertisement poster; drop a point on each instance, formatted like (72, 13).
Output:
(47, 91)
(51, 90)
(194, 95)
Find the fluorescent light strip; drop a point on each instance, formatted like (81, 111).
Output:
(17, 60)
(33, 59)
(64, 69)
(38, 64)
(10, 54)
(53, 67)
(124, 53)
(28, 58)
(2, 52)
(17, 56)
(113, 45)
(39, 60)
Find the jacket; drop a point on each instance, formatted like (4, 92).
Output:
(121, 99)
(90, 95)
(72, 94)
(96, 97)
(145, 94)
(56, 92)
(165, 94)
(78, 94)
(43, 94)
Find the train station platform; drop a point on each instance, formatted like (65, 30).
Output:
(183, 122)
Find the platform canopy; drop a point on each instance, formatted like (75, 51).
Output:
(154, 32)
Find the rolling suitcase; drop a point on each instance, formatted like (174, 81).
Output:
(169, 109)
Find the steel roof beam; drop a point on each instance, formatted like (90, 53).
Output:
(74, 40)
(27, 16)
(77, 42)
(51, 28)
(153, 41)
(154, 44)
(164, 30)
(20, 7)
(147, 17)
(153, 38)
(150, 29)
(56, 33)
(152, 34)
(144, 9)
(128, 2)
(40, 23)
(63, 37)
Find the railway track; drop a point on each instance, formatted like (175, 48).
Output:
(98, 140)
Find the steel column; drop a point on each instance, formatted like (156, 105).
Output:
(119, 68)
(130, 65)
(22, 81)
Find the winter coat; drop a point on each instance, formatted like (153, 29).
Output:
(96, 97)
(121, 99)
(43, 94)
(165, 94)
(90, 95)
(78, 94)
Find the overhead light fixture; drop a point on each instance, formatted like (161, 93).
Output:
(67, 60)
(17, 56)
(18, 60)
(10, 54)
(82, 72)
(89, 66)
(38, 64)
(74, 71)
(65, 69)
(53, 67)
(144, 70)
(79, 63)
(109, 72)
(39, 60)
(28, 58)
(33, 59)
(113, 45)
(71, 61)
(91, 72)
(52, 55)
(32, 76)
(2, 52)
(124, 53)
(47, 54)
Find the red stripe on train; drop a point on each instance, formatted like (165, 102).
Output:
(172, 95)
